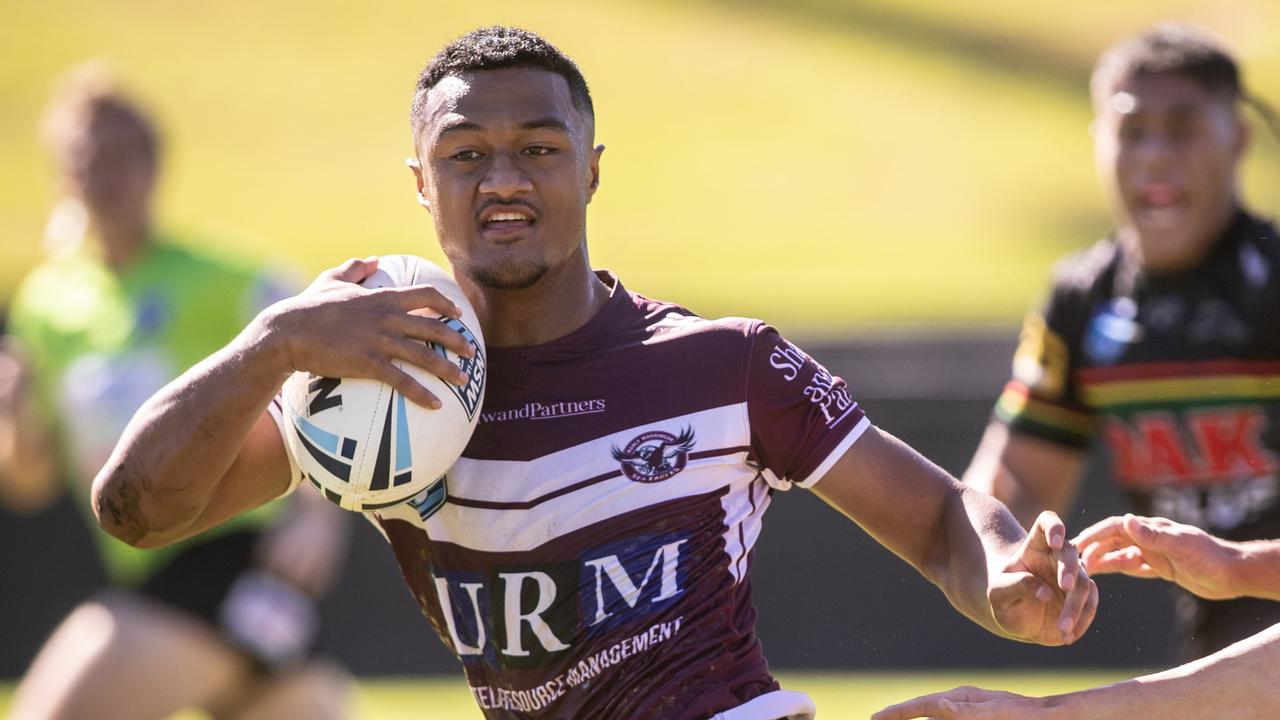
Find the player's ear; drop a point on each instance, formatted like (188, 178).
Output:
(416, 168)
(596, 152)
(1244, 136)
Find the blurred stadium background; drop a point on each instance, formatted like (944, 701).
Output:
(888, 181)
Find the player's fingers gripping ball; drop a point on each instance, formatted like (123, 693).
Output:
(362, 443)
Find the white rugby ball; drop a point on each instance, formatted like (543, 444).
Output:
(364, 445)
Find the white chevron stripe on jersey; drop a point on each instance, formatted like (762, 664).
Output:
(506, 530)
(527, 483)
(500, 505)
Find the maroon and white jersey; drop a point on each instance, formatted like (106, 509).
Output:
(589, 554)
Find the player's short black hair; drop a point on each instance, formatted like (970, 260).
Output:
(1170, 49)
(495, 48)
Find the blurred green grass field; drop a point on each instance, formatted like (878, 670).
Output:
(839, 696)
(820, 163)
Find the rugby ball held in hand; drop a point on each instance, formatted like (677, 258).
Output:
(363, 444)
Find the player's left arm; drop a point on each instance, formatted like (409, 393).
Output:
(1235, 682)
(1026, 586)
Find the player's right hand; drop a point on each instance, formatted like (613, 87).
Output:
(1158, 548)
(336, 328)
(965, 703)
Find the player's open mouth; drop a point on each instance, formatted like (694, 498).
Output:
(1162, 206)
(505, 222)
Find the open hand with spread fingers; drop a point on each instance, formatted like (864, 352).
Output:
(1149, 547)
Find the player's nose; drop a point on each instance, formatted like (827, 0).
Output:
(504, 177)
(1157, 152)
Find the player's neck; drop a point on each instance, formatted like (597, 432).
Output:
(560, 302)
(121, 240)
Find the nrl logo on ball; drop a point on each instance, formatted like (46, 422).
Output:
(655, 456)
(471, 394)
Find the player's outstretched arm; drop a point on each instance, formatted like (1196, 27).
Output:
(203, 449)
(1026, 586)
(1210, 567)
(1027, 474)
(1236, 682)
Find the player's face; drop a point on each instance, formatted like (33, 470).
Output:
(507, 172)
(107, 164)
(1167, 150)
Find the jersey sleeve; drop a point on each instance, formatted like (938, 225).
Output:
(802, 418)
(1041, 397)
(276, 410)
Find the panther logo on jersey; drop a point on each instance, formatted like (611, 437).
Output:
(655, 456)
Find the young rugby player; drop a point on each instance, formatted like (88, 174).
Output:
(1161, 340)
(594, 564)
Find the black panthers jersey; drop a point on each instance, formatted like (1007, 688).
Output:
(1177, 373)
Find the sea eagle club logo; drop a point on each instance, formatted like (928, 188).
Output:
(655, 456)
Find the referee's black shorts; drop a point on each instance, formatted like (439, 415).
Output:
(216, 581)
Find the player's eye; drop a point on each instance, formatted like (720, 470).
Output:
(465, 155)
(539, 150)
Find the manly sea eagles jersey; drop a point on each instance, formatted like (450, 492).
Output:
(1178, 374)
(589, 554)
